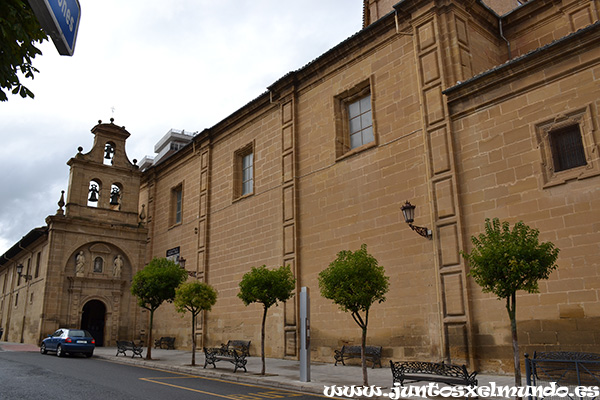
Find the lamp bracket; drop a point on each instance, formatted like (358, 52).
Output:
(192, 274)
(425, 232)
(26, 277)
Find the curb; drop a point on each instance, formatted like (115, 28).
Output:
(238, 377)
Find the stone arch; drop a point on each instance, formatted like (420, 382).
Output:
(108, 287)
(116, 262)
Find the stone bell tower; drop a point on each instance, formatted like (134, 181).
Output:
(104, 184)
(97, 243)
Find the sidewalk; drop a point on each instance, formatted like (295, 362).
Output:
(282, 374)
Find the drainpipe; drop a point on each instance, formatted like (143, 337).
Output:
(503, 37)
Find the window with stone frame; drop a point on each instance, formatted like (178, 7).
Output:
(177, 205)
(243, 175)
(355, 130)
(568, 148)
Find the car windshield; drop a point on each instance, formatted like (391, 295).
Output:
(79, 333)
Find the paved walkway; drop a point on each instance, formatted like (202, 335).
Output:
(283, 374)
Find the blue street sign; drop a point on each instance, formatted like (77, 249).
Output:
(60, 20)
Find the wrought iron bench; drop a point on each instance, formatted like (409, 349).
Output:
(214, 354)
(372, 353)
(123, 346)
(242, 346)
(165, 342)
(563, 367)
(421, 371)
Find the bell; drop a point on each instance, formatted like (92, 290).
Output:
(93, 193)
(108, 152)
(114, 196)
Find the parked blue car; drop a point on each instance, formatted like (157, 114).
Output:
(69, 341)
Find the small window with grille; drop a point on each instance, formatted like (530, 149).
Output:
(567, 148)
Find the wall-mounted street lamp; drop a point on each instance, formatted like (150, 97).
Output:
(181, 262)
(409, 216)
(20, 272)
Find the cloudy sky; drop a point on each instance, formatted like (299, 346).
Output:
(152, 65)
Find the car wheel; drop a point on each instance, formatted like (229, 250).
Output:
(43, 348)
(88, 355)
(59, 351)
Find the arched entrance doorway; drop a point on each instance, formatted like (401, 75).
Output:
(93, 319)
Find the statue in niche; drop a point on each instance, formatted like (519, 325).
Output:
(117, 266)
(98, 264)
(80, 264)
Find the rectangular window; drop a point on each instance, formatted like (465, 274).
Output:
(177, 205)
(247, 174)
(37, 264)
(243, 171)
(567, 148)
(360, 122)
(354, 127)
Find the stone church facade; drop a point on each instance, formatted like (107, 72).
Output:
(76, 270)
(465, 113)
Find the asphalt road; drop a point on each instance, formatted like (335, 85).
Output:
(32, 376)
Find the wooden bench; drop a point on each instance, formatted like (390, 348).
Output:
(421, 371)
(165, 342)
(123, 346)
(372, 353)
(214, 354)
(242, 346)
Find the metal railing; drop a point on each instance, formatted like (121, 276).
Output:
(565, 369)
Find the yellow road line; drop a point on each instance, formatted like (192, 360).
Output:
(186, 388)
(187, 376)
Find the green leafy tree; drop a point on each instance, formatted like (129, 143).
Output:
(20, 32)
(265, 286)
(355, 281)
(194, 297)
(504, 261)
(154, 285)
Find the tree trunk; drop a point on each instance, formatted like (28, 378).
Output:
(149, 351)
(511, 306)
(262, 341)
(193, 339)
(363, 357)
